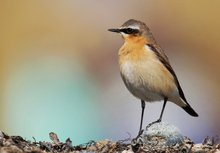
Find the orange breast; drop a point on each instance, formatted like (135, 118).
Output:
(147, 71)
(133, 49)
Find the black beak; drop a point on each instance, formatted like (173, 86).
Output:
(114, 30)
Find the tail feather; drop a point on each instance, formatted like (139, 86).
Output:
(190, 110)
(184, 104)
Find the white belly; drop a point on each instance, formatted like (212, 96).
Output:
(146, 81)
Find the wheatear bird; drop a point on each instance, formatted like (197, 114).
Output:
(146, 70)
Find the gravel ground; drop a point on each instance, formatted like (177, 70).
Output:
(16, 144)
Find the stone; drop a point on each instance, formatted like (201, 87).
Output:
(161, 134)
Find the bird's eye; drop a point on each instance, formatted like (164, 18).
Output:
(129, 31)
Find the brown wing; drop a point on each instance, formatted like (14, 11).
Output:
(164, 59)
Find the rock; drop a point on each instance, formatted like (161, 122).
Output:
(159, 136)
(11, 149)
(162, 134)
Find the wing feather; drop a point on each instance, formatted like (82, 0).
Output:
(165, 61)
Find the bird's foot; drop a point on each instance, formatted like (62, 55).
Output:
(137, 141)
(139, 133)
(157, 121)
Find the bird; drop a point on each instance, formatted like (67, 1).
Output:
(146, 71)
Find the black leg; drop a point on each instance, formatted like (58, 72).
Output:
(142, 115)
(161, 114)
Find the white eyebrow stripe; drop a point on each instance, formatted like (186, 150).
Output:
(131, 26)
(134, 27)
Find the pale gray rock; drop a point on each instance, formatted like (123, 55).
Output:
(160, 134)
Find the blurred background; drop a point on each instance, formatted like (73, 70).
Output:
(59, 67)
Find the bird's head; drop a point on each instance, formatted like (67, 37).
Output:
(134, 30)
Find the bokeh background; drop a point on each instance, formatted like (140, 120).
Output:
(59, 70)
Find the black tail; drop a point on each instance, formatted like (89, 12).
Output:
(190, 110)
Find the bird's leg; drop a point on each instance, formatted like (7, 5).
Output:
(142, 116)
(134, 142)
(161, 114)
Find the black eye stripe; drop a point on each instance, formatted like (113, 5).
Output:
(129, 31)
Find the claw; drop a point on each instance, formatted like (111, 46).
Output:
(149, 125)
